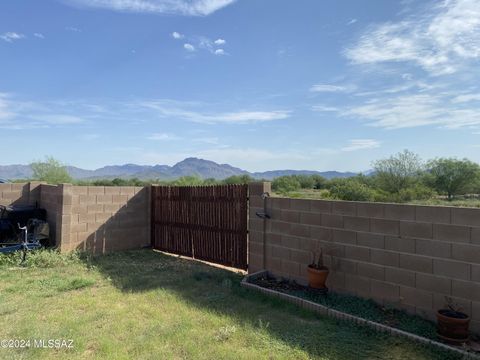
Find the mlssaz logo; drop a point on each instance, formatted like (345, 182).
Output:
(53, 343)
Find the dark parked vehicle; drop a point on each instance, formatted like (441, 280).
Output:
(22, 228)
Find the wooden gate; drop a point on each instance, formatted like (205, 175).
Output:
(202, 222)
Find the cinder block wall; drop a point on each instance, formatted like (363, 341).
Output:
(106, 218)
(97, 219)
(18, 194)
(407, 256)
(50, 200)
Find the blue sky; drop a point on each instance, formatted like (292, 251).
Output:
(271, 84)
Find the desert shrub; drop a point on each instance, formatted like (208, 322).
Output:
(238, 179)
(414, 192)
(319, 182)
(188, 181)
(352, 190)
(306, 181)
(285, 184)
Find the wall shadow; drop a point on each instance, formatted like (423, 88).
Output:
(119, 226)
(219, 291)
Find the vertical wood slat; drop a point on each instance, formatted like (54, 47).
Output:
(205, 222)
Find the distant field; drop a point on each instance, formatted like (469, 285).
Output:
(323, 195)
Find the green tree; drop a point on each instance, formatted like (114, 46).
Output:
(398, 172)
(50, 170)
(452, 176)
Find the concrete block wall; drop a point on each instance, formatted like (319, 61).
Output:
(19, 194)
(407, 256)
(97, 219)
(50, 199)
(106, 218)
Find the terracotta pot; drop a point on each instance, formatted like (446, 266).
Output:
(317, 277)
(452, 326)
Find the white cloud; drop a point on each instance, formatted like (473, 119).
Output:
(466, 98)
(177, 35)
(412, 110)
(220, 42)
(58, 119)
(331, 88)
(39, 35)
(73, 29)
(5, 110)
(18, 114)
(163, 137)
(323, 108)
(11, 36)
(440, 43)
(361, 144)
(351, 22)
(180, 7)
(189, 47)
(186, 111)
(202, 43)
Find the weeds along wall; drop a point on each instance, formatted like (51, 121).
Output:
(97, 219)
(406, 256)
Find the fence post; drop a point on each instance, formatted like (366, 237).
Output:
(257, 251)
(151, 198)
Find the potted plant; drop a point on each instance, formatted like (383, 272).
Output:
(317, 272)
(452, 323)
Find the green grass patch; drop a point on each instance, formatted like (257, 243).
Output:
(146, 305)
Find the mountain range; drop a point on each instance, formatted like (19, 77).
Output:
(190, 166)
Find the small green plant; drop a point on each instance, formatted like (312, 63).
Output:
(44, 258)
(451, 305)
(263, 325)
(225, 333)
(317, 261)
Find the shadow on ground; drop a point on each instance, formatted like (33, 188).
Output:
(219, 291)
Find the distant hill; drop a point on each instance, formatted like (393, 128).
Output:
(12, 172)
(188, 167)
